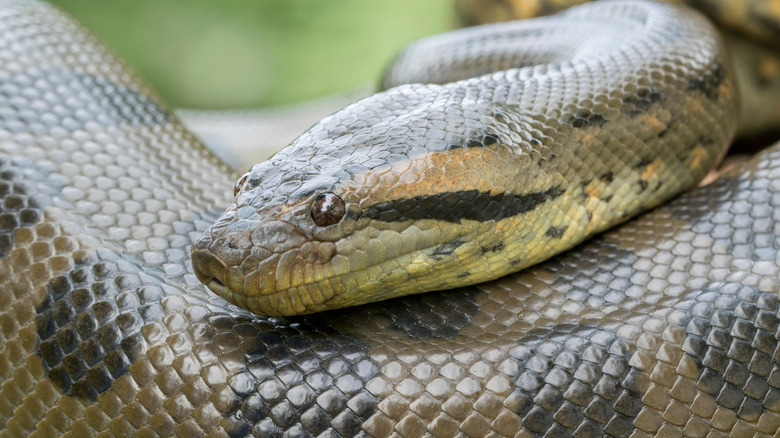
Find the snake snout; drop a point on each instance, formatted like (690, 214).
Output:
(211, 271)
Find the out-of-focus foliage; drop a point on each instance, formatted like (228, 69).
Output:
(244, 53)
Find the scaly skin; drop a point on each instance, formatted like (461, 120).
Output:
(758, 18)
(751, 30)
(665, 326)
(619, 107)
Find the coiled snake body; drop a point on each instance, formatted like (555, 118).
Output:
(667, 325)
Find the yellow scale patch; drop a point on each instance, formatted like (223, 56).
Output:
(698, 154)
(595, 191)
(651, 170)
(652, 121)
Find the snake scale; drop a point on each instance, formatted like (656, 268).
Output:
(665, 326)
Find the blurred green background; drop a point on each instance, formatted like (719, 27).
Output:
(251, 53)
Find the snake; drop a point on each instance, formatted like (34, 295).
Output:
(666, 325)
(430, 187)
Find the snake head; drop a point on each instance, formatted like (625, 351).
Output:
(362, 208)
(281, 223)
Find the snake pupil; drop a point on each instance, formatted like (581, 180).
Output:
(327, 209)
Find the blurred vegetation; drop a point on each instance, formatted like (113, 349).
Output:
(248, 53)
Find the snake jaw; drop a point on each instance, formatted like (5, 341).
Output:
(210, 270)
(252, 252)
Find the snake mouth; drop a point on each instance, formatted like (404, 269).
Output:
(219, 288)
(212, 272)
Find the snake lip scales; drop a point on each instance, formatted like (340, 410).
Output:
(493, 148)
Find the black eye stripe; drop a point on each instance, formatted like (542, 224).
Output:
(459, 205)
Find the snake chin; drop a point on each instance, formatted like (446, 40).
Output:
(209, 270)
(218, 288)
(213, 273)
(311, 276)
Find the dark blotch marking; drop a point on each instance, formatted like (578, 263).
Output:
(238, 426)
(487, 139)
(555, 232)
(493, 248)
(704, 140)
(608, 177)
(116, 363)
(709, 83)
(460, 205)
(644, 99)
(59, 286)
(469, 144)
(644, 162)
(721, 341)
(281, 355)
(50, 352)
(68, 339)
(8, 222)
(82, 351)
(29, 216)
(73, 343)
(83, 391)
(25, 188)
(585, 118)
(541, 160)
(447, 248)
(643, 184)
(60, 377)
(612, 386)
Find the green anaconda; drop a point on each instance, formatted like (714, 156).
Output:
(665, 326)
(591, 116)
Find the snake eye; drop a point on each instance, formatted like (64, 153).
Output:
(327, 209)
(239, 184)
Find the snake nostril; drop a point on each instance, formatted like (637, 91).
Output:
(208, 267)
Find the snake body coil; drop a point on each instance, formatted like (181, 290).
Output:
(665, 326)
(620, 106)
